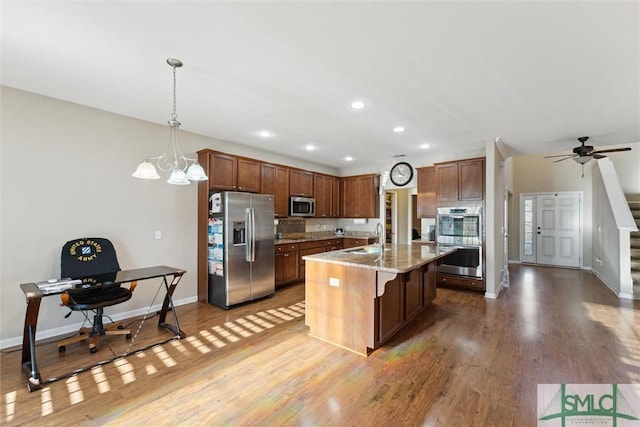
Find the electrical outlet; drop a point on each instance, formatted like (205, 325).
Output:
(158, 235)
(334, 282)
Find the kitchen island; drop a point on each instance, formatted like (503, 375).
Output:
(358, 298)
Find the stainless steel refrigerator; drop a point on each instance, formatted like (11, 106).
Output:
(241, 248)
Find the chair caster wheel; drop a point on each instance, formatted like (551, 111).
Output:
(128, 336)
(62, 349)
(93, 350)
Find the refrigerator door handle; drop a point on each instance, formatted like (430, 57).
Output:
(247, 246)
(253, 235)
(251, 238)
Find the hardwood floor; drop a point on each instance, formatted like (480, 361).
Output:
(466, 361)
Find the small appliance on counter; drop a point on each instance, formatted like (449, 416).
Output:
(338, 231)
(432, 233)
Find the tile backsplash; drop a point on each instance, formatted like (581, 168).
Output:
(288, 226)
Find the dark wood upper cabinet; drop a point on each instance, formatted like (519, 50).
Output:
(471, 177)
(360, 197)
(325, 190)
(460, 181)
(223, 172)
(301, 183)
(232, 173)
(249, 175)
(426, 192)
(274, 180)
(335, 197)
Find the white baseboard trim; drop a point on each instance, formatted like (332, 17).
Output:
(621, 295)
(494, 295)
(67, 329)
(514, 261)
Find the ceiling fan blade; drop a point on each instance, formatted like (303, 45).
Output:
(560, 155)
(570, 157)
(613, 150)
(598, 156)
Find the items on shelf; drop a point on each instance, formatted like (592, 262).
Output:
(216, 252)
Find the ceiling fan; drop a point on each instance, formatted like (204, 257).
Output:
(584, 153)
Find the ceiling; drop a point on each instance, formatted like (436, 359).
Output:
(537, 74)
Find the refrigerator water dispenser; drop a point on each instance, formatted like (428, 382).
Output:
(239, 235)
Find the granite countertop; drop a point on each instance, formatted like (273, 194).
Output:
(310, 237)
(395, 259)
(424, 241)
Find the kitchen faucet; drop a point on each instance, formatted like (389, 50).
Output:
(379, 235)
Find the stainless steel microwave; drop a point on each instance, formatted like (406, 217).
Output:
(302, 206)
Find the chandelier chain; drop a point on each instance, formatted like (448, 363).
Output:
(174, 115)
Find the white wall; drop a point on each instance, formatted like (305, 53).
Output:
(66, 173)
(494, 219)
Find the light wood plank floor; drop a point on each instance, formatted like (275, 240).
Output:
(467, 361)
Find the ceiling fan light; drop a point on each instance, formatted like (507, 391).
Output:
(582, 159)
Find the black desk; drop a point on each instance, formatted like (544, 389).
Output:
(34, 296)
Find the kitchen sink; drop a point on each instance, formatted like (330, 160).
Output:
(365, 250)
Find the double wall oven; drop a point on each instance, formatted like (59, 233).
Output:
(461, 227)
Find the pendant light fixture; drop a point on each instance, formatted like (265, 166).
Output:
(181, 168)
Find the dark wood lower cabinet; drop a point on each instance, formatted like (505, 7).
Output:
(429, 283)
(413, 293)
(287, 264)
(404, 297)
(462, 282)
(390, 308)
(285, 273)
(309, 248)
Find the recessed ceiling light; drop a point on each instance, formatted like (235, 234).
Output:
(398, 129)
(425, 146)
(348, 158)
(309, 147)
(265, 133)
(357, 105)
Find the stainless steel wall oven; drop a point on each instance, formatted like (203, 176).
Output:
(461, 227)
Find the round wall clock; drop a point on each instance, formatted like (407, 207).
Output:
(401, 174)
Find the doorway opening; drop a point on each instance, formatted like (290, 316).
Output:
(390, 217)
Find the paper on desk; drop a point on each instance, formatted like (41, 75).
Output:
(57, 285)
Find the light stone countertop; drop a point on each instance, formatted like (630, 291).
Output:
(396, 258)
(310, 237)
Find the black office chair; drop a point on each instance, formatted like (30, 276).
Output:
(94, 260)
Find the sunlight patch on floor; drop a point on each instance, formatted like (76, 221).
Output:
(46, 403)
(164, 356)
(100, 377)
(10, 404)
(217, 336)
(212, 339)
(76, 395)
(127, 372)
(226, 334)
(625, 325)
(197, 344)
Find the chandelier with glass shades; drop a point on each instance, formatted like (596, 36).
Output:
(182, 169)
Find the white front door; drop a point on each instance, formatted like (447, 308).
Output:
(551, 228)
